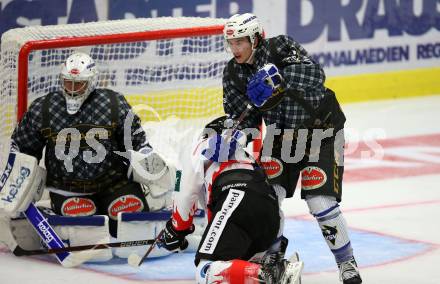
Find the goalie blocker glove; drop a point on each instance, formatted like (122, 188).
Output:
(263, 84)
(174, 240)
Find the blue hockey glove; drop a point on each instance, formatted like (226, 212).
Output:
(219, 150)
(261, 87)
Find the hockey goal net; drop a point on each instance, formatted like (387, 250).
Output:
(171, 67)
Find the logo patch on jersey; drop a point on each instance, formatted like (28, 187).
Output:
(312, 177)
(329, 233)
(272, 166)
(204, 270)
(126, 203)
(220, 220)
(78, 206)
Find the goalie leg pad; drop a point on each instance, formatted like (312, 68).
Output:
(139, 226)
(147, 225)
(84, 230)
(6, 234)
(24, 234)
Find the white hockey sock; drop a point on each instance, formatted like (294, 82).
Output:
(333, 226)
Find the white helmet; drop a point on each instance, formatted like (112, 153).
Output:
(78, 79)
(241, 26)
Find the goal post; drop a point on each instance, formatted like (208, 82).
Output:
(173, 65)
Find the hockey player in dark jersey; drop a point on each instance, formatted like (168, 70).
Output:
(88, 146)
(244, 224)
(305, 110)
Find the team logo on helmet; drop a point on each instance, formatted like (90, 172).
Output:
(74, 71)
(249, 19)
(229, 32)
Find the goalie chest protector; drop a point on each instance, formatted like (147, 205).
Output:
(96, 122)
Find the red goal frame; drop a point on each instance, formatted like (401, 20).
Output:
(28, 47)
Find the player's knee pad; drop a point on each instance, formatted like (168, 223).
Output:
(334, 229)
(233, 272)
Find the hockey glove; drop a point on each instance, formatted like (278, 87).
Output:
(174, 240)
(264, 83)
(219, 150)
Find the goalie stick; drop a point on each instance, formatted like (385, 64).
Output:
(23, 252)
(52, 240)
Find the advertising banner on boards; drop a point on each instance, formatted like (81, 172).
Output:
(372, 48)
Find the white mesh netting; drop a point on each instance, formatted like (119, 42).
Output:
(179, 77)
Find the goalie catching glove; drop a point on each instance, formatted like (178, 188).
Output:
(174, 240)
(263, 84)
(147, 167)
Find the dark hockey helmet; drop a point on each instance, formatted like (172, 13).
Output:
(218, 125)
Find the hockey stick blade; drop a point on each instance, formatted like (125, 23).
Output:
(18, 251)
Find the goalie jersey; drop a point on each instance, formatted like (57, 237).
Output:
(80, 153)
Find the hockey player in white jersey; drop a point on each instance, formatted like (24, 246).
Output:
(242, 242)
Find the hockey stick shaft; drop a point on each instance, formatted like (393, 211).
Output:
(23, 252)
(153, 245)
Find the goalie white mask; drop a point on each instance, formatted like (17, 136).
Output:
(244, 25)
(78, 79)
